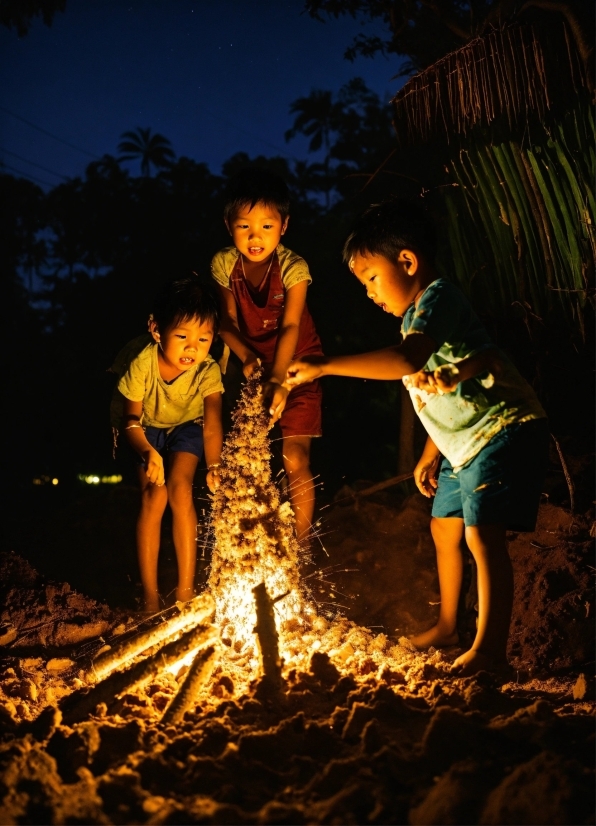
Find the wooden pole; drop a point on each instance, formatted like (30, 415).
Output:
(198, 674)
(198, 610)
(388, 483)
(267, 635)
(78, 706)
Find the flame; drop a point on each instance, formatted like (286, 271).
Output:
(254, 538)
(254, 541)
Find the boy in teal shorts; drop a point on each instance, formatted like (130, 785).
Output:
(486, 451)
(169, 401)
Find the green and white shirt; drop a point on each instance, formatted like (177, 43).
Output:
(462, 422)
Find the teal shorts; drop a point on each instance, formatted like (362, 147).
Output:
(502, 484)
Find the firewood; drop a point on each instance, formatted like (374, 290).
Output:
(78, 706)
(197, 610)
(198, 674)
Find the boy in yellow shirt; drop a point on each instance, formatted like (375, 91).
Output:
(171, 391)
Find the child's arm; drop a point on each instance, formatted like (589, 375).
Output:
(425, 472)
(275, 393)
(446, 377)
(138, 441)
(389, 364)
(212, 437)
(230, 333)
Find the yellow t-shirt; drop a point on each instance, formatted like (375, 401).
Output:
(293, 268)
(165, 404)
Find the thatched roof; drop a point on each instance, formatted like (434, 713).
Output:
(509, 74)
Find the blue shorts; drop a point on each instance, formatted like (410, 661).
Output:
(183, 438)
(501, 484)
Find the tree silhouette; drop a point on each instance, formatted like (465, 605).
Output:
(316, 118)
(19, 14)
(152, 150)
(353, 128)
(426, 30)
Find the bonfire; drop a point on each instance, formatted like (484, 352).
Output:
(257, 619)
(254, 540)
(247, 705)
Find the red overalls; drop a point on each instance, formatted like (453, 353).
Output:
(259, 314)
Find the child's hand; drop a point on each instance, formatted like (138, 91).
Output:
(421, 381)
(446, 378)
(154, 467)
(213, 479)
(304, 370)
(425, 476)
(251, 363)
(275, 396)
(442, 380)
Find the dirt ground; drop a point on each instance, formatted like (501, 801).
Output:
(346, 741)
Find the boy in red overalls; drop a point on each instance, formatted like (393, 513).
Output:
(265, 319)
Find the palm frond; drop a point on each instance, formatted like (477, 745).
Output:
(506, 75)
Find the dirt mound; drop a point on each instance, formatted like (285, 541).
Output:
(385, 572)
(329, 749)
(553, 614)
(346, 741)
(46, 614)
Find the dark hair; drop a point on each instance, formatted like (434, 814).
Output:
(388, 228)
(183, 299)
(255, 185)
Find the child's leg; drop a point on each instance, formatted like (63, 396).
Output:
(184, 519)
(296, 453)
(448, 536)
(488, 545)
(153, 503)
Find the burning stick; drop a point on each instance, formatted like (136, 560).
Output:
(195, 611)
(77, 706)
(198, 674)
(267, 634)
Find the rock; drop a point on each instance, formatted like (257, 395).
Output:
(8, 633)
(74, 633)
(580, 688)
(27, 690)
(58, 664)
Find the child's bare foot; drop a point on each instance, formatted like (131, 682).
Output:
(471, 662)
(434, 637)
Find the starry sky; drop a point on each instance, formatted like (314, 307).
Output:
(214, 76)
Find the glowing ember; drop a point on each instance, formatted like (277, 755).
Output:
(254, 537)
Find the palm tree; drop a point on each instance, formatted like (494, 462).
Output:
(316, 118)
(151, 149)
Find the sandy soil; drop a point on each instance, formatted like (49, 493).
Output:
(344, 742)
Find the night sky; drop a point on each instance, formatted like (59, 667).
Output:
(214, 76)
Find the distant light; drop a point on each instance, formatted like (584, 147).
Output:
(114, 479)
(44, 480)
(91, 479)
